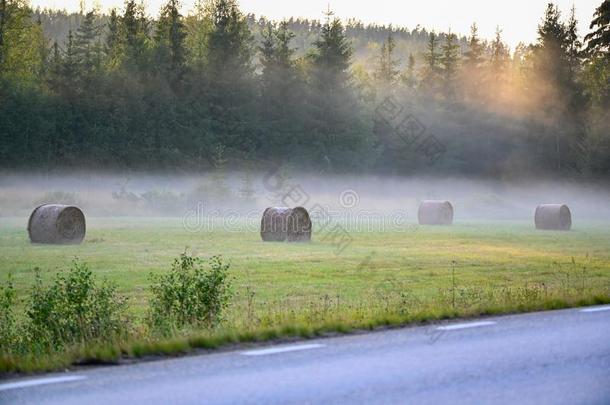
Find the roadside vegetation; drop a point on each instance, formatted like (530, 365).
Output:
(115, 303)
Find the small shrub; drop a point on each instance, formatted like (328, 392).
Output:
(190, 294)
(8, 334)
(74, 309)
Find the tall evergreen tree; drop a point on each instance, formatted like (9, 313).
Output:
(169, 42)
(449, 62)
(598, 40)
(332, 100)
(556, 85)
(112, 46)
(473, 57)
(87, 48)
(596, 79)
(499, 58)
(408, 77)
(279, 76)
(229, 43)
(134, 30)
(472, 73)
(432, 70)
(387, 66)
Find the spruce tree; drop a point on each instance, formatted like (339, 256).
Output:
(432, 69)
(387, 66)
(473, 57)
(499, 58)
(598, 41)
(169, 42)
(87, 48)
(449, 62)
(112, 42)
(134, 36)
(408, 77)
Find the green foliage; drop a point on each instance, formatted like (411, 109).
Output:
(8, 327)
(73, 309)
(131, 91)
(190, 294)
(449, 61)
(387, 68)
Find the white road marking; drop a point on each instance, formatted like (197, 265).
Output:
(40, 381)
(281, 349)
(596, 309)
(466, 325)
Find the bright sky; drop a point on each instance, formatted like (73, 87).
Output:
(518, 19)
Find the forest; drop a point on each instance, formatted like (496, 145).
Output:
(220, 88)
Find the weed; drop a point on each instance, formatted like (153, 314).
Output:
(74, 309)
(189, 295)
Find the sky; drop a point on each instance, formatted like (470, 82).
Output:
(518, 19)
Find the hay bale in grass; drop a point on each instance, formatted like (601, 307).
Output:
(281, 224)
(58, 224)
(434, 212)
(553, 217)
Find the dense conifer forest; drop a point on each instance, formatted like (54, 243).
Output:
(185, 92)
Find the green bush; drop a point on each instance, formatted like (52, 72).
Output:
(8, 334)
(74, 309)
(191, 294)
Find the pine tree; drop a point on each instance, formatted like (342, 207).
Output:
(596, 79)
(87, 48)
(473, 57)
(331, 58)
(69, 69)
(408, 77)
(449, 61)
(499, 58)
(112, 46)
(387, 67)
(432, 70)
(279, 76)
(54, 72)
(574, 45)
(332, 102)
(598, 41)
(229, 43)
(134, 30)
(472, 73)
(553, 79)
(169, 41)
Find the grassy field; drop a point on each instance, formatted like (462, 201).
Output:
(379, 278)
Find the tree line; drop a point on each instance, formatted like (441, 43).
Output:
(124, 90)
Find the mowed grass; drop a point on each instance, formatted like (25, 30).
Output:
(291, 291)
(374, 265)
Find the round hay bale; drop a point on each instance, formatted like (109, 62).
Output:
(553, 217)
(281, 224)
(58, 224)
(434, 212)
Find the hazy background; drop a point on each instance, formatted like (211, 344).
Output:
(517, 19)
(354, 200)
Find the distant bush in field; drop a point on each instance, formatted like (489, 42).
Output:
(59, 197)
(73, 309)
(191, 294)
(163, 200)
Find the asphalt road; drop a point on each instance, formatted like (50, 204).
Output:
(552, 357)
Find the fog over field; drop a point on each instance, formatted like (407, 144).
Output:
(348, 198)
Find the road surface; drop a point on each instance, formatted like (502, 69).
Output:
(541, 358)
